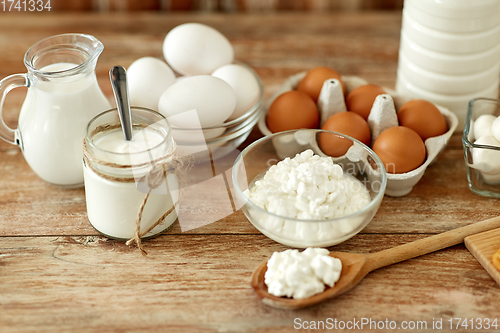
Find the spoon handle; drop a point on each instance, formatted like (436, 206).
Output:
(429, 244)
(118, 78)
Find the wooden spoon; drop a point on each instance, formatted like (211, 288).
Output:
(356, 266)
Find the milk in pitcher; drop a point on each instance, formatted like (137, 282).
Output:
(59, 109)
(63, 96)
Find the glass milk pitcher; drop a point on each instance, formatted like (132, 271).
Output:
(63, 95)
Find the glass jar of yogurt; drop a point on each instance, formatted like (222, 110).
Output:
(125, 181)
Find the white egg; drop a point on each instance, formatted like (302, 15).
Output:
(196, 49)
(482, 125)
(487, 160)
(495, 128)
(147, 79)
(212, 98)
(244, 84)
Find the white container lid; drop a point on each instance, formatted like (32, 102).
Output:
(444, 63)
(453, 25)
(456, 104)
(458, 9)
(445, 83)
(447, 42)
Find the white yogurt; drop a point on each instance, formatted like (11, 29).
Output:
(52, 124)
(116, 148)
(113, 206)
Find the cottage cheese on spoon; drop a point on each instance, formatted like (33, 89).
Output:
(301, 274)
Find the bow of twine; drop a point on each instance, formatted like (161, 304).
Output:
(176, 165)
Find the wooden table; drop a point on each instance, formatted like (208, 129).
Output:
(58, 274)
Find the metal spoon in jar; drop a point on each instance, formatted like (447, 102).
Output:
(118, 77)
(356, 266)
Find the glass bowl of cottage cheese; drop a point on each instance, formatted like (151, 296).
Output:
(293, 190)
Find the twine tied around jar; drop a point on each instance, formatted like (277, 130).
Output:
(160, 169)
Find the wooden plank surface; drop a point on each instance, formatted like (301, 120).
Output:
(483, 246)
(198, 282)
(58, 274)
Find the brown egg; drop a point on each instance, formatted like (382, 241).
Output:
(360, 100)
(312, 83)
(400, 148)
(423, 117)
(348, 123)
(292, 110)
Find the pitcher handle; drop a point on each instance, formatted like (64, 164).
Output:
(7, 84)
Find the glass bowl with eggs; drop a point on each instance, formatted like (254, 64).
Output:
(211, 100)
(308, 187)
(220, 123)
(481, 143)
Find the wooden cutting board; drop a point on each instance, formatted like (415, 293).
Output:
(483, 246)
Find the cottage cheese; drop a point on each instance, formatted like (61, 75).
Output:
(301, 274)
(308, 187)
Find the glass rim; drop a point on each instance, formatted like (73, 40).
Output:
(94, 42)
(88, 138)
(373, 201)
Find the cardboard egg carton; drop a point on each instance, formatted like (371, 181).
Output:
(382, 116)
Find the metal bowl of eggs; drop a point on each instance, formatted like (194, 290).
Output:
(481, 142)
(298, 189)
(407, 142)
